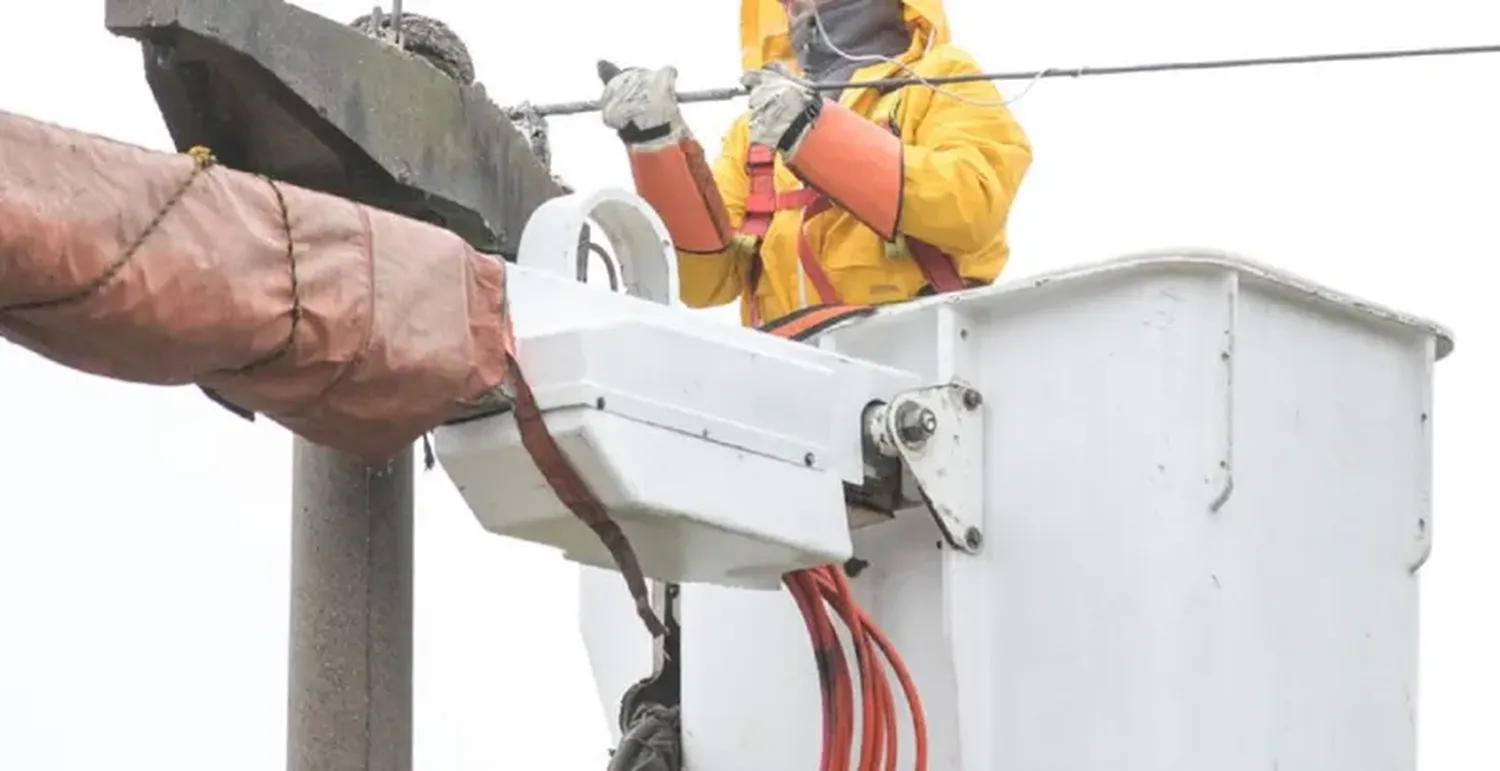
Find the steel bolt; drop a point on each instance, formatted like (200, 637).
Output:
(915, 423)
(973, 538)
(972, 399)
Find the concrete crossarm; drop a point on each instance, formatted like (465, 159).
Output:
(279, 90)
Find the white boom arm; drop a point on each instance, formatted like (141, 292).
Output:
(721, 451)
(1178, 503)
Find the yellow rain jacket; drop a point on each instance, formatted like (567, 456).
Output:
(964, 160)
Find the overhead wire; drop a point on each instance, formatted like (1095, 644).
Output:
(911, 72)
(724, 94)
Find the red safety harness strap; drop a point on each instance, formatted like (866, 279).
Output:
(936, 266)
(762, 202)
(827, 295)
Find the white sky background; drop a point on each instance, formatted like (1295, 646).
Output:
(144, 555)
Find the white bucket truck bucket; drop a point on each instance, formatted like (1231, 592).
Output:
(1206, 494)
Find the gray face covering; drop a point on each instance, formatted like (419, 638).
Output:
(856, 27)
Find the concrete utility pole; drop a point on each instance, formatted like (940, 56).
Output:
(278, 90)
(351, 630)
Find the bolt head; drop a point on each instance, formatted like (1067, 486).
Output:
(973, 538)
(973, 399)
(915, 423)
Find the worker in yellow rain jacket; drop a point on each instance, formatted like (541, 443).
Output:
(875, 197)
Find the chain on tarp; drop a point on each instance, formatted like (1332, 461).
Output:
(203, 160)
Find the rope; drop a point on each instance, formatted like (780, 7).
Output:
(290, 342)
(203, 160)
(723, 94)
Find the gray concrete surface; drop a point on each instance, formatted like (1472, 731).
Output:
(267, 86)
(350, 703)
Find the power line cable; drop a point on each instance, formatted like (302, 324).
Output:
(723, 94)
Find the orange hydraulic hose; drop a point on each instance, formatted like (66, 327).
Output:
(837, 592)
(842, 600)
(872, 679)
(815, 590)
(914, 702)
(799, 593)
(837, 689)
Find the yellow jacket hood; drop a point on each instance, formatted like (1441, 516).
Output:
(764, 37)
(962, 160)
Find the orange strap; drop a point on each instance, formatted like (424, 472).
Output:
(575, 494)
(807, 322)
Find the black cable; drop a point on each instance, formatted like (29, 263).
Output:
(721, 94)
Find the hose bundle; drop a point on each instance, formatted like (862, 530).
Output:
(815, 591)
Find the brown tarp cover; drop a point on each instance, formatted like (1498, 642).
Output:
(353, 327)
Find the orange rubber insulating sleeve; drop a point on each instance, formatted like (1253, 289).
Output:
(855, 162)
(678, 184)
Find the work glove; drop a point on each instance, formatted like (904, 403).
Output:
(641, 105)
(781, 107)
